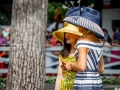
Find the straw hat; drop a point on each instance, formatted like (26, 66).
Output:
(85, 17)
(69, 28)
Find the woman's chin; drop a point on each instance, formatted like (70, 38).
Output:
(68, 42)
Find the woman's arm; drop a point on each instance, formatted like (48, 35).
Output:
(101, 66)
(81, 63)
(59, 76)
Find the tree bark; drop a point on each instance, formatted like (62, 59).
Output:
(27, 51)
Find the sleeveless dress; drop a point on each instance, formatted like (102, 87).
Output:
(68, 76)
(90, 78)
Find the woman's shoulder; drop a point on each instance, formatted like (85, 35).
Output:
(83, 42)
(88, 44)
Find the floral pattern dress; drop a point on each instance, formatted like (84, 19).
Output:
(68, 76)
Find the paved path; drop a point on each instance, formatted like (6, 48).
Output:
(106, 87)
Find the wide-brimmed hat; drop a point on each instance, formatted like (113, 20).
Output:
(85, 17)
(70, 28)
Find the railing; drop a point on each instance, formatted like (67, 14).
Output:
(50, 70)
(105, 53)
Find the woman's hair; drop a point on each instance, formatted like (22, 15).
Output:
(92, 37)
(87, 34)
(66, 49)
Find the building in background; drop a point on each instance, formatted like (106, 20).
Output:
(111, 15)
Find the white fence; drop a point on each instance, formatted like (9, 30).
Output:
(49, 70)
(106, 53)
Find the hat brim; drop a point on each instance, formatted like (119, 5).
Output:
(80, 21)
(59, 34)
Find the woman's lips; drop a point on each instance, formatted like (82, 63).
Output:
(67, 38)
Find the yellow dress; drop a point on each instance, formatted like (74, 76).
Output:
(68, 76)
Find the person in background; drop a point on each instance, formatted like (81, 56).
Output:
(57, 24)
(53, 41)
(107, 36)
(3, 39)
(58, 43)
(115, 51)
(115, 34)
(115, 43)
(107, 46)
(3, 42)
(6, 32)
(118, 36)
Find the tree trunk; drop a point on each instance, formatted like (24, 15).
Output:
(27, 50)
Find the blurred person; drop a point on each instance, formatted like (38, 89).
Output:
(118, 36)
(48, 44)
(8, 37)
(48, 35)
(115, 43)
(115, 32)
(107, 36)
(3, 40)
(115, 51)
(107, 41)
(57, 24)
(69, 35)
(53, 41)
(6, 31)
(58, 43)
(48, 39)
(106, 48)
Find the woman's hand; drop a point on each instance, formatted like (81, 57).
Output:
(68, 66)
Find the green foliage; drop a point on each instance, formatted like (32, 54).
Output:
(2, 84)
(105, 80)
(111, 80)
(52, 6)
(50, 80)
(91, 1)
(85, 1)
(3, 18)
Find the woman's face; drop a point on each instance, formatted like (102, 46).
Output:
(71, 38)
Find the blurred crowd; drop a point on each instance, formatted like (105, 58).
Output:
(4, 41)
(108, 42)
(4, 36)
(112, 41)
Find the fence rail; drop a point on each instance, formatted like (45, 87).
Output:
(58, 48)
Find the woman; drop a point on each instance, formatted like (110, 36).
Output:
(3, 40)
(69, 34)
(90, 62)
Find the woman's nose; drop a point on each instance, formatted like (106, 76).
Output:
(67, 34)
